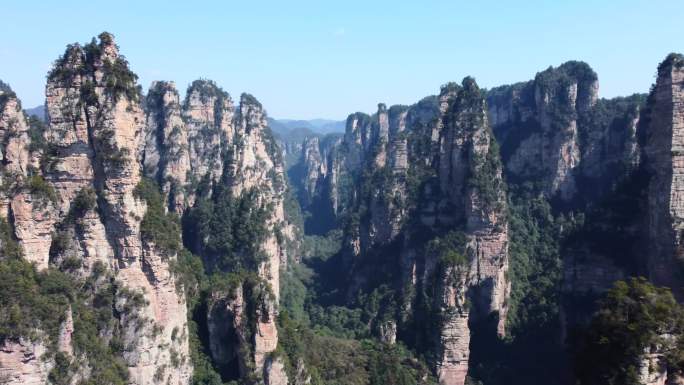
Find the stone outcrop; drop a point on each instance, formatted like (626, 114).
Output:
(208, 112)
(436, 161)
(557, 134)
(664, 160)
(471, 181)
(419, 191)
(315, 169)
(81, 203)
(243, 340)
(207, 141)
(80, 200)
(454, 334)
(538, 125)
(166, 156)
(21, 363)
(22, 199)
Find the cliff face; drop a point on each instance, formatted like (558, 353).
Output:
(432, 168)
(663, 159)
(203, 151)
(166, 152)
(426, 200)
(313, 173)
(470, 178)
(90, 147)
(77, 200)
(315, 169)
(423, 185)
(556, 128)
(208, 149)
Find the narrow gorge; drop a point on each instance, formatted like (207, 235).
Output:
(528, 233)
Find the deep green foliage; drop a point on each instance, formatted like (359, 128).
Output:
(485, 177)
(36, 130)
(34, 304)
(4, 87)
(449, 249)
(331, 360)
(6, 93)
(110, 154)
(9, 247)
(158, 227)
(118, 80)
(535, 264)
(94, 315)
(227, 231)
(30, 300)
(40, 188)
(85, 200)
(533, 322)
(673, 60)
(633, 316)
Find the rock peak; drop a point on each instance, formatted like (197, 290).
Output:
(673, 60)
(206, 89)
(163, 85)
(249, 99)
(449, 88)
(5, 88)
(107, 44)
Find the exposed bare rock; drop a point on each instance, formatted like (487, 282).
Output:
(537, 122)
(454, 334)
(664, 159)
(13, 135)
(315, 169)
(235, 336)
(166, 156)
(21, 363)
(226, 322)
(94, 133)
(653, 370)
(471, 182)
(208, 113)
(33, 219)
(388, 332)
(65, 332)
(445, 140)
(274, 372)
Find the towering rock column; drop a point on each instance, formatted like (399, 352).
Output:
(257, 166)
(23, 201)
(471, 181)
(540, 120)
(165, 154)
(95, 126)
(664, 159)
(315, 168)
(208, 112)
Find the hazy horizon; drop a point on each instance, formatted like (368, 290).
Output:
(309, 60)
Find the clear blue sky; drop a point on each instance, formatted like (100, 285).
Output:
(307, 59)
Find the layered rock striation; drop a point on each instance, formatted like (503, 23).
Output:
(80, 192)
(663, 160)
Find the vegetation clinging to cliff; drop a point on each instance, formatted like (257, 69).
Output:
(118, 80)
(158, 227)
(34, 305)
(634, 317)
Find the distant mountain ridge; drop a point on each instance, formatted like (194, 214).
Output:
(38, 112)
(321, 126)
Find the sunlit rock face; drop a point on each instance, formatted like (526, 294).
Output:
(664, 158)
